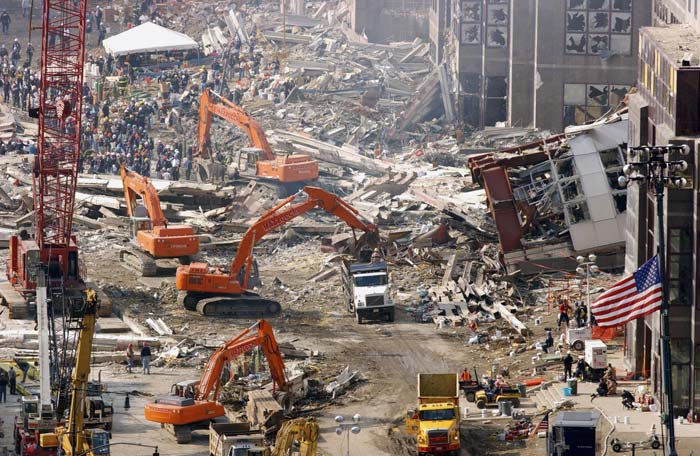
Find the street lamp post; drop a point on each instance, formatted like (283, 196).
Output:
(348, 428)
(650, 164)
(588, 267)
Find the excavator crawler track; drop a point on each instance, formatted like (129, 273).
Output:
(139, 262)
(247, 305)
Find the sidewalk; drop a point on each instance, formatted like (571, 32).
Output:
(639, 423)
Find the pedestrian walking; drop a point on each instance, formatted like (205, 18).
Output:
(564, 309)
(3, 386)
(13, 381)
(581, 314)
(30, 52)
(101, 34)
(146, 358)
(5, 20)
(129, 357)
(25, 7)
(568, 364)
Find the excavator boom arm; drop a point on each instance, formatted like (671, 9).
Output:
(137, 185)
(244, 342)
(234, 114)
(279, 215)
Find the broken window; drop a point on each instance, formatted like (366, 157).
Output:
(587, 102)
(564, 167)
(598, 26)
(613, 175)
(471, 110)
(471, 83)
(496, 87)
(611, 158)
(497, 23)
(620, 200)
(578, 212)
(496, 100)
(571, 189)
(496, 111)
(471, 21)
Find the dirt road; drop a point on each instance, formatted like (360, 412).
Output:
(387, 356)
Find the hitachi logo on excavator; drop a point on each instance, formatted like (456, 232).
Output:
(283, 218)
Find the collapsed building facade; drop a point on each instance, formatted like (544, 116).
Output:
(558, 197)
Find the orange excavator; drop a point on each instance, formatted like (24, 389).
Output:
(150, 231)
(289, 171)
(213, 291)
(194, 404)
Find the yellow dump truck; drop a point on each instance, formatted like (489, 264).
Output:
(236, 439)
(435, 422)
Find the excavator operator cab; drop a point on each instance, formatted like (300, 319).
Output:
(185, 389)
(137, 224)
(248, 158)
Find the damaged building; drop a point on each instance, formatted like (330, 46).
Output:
(558, 197)
(666, 111)
(383, 21)
(496, 49)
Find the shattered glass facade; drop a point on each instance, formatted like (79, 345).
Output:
(587, 102)
(599, 26)
(470, 21)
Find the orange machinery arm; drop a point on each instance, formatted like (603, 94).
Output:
(134, 184)
(278, 216)
(244, 342)
(234, 114)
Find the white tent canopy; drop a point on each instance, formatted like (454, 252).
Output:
(148, 37)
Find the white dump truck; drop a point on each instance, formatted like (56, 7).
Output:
(367, 291)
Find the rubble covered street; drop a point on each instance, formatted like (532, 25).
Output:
(425, 268)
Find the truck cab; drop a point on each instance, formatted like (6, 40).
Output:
(367, 290)
(435, 421)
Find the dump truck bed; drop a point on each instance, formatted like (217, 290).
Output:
(437, 388)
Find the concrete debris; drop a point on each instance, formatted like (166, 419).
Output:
(159, 326)
(341, 382)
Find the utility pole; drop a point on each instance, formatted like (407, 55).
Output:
(284, 24)
(650, 164)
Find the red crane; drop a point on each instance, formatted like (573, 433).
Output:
(52, 246)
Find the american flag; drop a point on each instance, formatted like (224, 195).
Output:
(543, 426)
(633, 297)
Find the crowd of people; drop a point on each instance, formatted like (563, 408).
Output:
(117, 129)
(112, 136)
(19, 84)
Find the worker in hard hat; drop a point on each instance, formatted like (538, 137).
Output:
(465, 376)
(376, 257)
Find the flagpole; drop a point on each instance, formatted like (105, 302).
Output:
(649, 164)
(665, 325)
